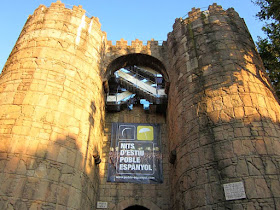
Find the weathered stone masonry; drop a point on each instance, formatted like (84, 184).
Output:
(222, 116)
(222, 119)
(52, 110)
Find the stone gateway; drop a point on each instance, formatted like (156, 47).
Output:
(64, 85)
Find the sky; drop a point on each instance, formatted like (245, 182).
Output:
(128, 19)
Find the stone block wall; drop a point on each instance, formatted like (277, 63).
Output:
(152, 50)
(52, 112)
(223, 117)
(122, 195)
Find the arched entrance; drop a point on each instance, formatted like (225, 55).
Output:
(135, 195)
(136, 207)
(142, 204)
(136, 79)
(138, 59)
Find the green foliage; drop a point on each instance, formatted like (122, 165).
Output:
(269, 47)
(270, 9)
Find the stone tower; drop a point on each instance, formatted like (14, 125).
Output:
(52, 108)
(223, 118)
(220, 132)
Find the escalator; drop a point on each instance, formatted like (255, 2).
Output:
(128, 85)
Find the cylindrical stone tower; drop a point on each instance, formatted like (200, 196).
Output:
(51, 112)
(222, 114)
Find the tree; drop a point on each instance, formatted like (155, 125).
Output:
(269, 47)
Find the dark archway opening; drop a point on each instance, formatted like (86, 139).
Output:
(136, 207)
(137, 59)
(136, 79)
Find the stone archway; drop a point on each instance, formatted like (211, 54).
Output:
(136, 59)
(136, 207)
(138, 204)
(130, 195)
(138, 67)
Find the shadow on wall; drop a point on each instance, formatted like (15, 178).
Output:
(44, 173)
(228, 82)
(232, 152)
(224, 123)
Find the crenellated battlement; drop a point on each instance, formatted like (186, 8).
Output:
(196, 13)
(134, 43)
(58, 11)
(215, 7)
(59, 4)
(219, 128)
(122, 47)
(214, 15)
